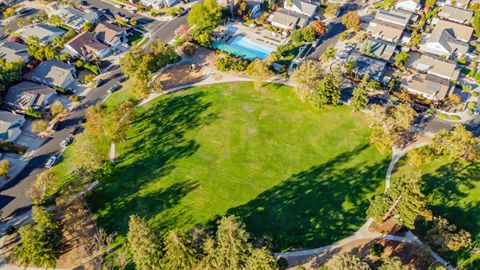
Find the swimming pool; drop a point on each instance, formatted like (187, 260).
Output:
(243, 47)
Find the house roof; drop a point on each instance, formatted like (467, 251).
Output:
(42, 31)
(288, 19)
(455, 13)
(52, 72)
(368, 65)
(434, 65)
(76, 18)
(306, 7)
(86, 44)
(13, 51)
(27, 94)
(428, 84)
(446, 38)
(380, 49)
(385, 29)
(459, 31)
(107, 32)
(397, 17)
(6, 120)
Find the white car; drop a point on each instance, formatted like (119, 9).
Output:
(50, 162)
(66, 141)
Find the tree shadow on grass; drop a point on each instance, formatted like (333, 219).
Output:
(447, 186)
(156, 141)
(315, 207)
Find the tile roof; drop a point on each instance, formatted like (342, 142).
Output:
(86, 44)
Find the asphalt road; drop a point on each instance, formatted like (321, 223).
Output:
(13, 198)
(11, 23)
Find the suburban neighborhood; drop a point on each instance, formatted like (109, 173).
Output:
(240, 134)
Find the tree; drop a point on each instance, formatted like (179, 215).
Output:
(349, 66)
(203, 18)
(447, 236)
(328, 54)
(55, 20)
(10, 73)
(459, 143)
(56, 108)
(116, 123)
(420, 156)
(260, 259)
(143, 244)
(455, 98)
(347, 262)
(95, 124)
(380, 139)
(359, 99)
(367, 47)
(351, 20)
(476, 23)
(319, 27)
(241, 8)
(388, 4)
(39, 126)
(307, 77)
(332, 9)
(296, 36)
(391, 263)
(260, 71)
(327, 92)
(401, 58)
(43, 183)
(39, 243)
(4, 167)
(232, 243)
(308, 34)
(403, 199)
(177, 254)
(88, 156)
(87, 26)
(430, 3)
(8, 12)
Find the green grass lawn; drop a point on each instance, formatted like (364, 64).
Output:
(453, 191)
(298, 175)
(135, 37)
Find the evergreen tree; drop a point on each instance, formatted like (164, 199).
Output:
(347, 262)
(232, 244)
(359, 99)
(261, 259)
(391, 263)
(328, 92)
(210, 261)
(177, 254)
(143, 244)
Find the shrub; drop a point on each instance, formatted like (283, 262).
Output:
(89, 78)
(474, 94)
(376, 249)
(8, 12)
(449, 117)
(471, 105)
(470, 111)
(33, 113)
(455, 99)
(296, 36)
(189, 48)
(228, 63)
(466, 87)
(343, 36)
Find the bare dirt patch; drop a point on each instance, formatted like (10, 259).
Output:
(179, 75)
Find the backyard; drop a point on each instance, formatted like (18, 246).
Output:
(453, 191)
(295, 174)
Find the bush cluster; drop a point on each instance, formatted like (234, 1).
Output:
(227, 63)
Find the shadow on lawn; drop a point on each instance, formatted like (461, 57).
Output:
(159, 141)
(447, 186)
(315, 207)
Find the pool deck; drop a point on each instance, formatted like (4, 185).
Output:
(260, 36)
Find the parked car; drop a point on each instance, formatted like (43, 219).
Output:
(84, 3)
(122, 78)
(50, 162)
(113, 88)
(100, 82)
(65, 142)
(119, 6)
(74, 130)
(57, 126)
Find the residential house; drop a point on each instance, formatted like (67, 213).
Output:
(375, 68)
(110, 34)
(255, 8)
(428, 86)
(408, 5)
(302, 7)
(44, 32)
(14, 51)
(389, 25)
(157, 4)
(455, 14)
(27, 94)
(433, 65)
(10, 126)
(54, 73)
(447, 39)
(86, 45)
(288, 20)
(456, 3)
(75, 18)
(378, 48)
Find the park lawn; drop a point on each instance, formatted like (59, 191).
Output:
(125, 93)
(453, 191)
(295, 174)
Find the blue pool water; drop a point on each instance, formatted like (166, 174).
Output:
(243, 47)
